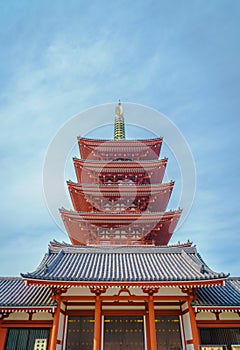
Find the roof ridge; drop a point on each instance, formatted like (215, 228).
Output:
(92, 161)
(126, 140)
(84, 213)
(3, 278)
(123, 249)
(191, 261)
(162, 184)
(203, 269)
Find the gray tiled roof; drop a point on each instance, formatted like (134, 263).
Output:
(14, 293)
(228, 295)
(123, 264)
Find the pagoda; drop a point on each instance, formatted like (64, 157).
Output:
(119, 284)
(119, 197)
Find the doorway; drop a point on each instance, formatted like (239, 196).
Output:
(123, 332)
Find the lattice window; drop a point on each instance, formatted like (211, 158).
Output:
(223, 336)
(25, 338)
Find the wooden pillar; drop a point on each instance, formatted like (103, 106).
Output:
(150, 318)
(189, 321)
(3, 336)
(54, 341)
(97, 318)
(97, 324)
(54, 333)
(195, 333)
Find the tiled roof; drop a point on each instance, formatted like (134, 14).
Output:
(86, 228)
(228, 295)
(129, 264)
(143, 189)
(125, 217)
(109, 141)
(125, 165)
(91, 149)
(14, 293)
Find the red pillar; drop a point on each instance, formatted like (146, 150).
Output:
(195, 333)
(97, 325)
(54, 333)
(3, 336)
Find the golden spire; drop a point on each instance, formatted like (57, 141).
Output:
(119, 126)
(119, 110)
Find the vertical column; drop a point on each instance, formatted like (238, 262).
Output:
(195, 333)
(54, 333)
(3, 336)
(150, 320)
(97, 318)
(55, 343)
(189, 323)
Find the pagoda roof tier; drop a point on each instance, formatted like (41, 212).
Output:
(123, 266)
(114, 197)
(120, 228)
(124, 149)
(141, 172)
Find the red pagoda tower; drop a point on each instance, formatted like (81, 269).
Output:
(119, 197)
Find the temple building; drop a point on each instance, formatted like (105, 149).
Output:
(119, 284)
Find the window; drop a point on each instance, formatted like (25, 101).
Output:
(24, 338)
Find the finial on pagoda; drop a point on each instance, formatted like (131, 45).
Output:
(119, 110)
(119, 125)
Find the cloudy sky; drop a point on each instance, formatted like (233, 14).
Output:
(60, 58)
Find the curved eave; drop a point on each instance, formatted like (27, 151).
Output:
(216, 308)
(86, 228)
(25, 308)
(144, 189)
(87, 197)
(117, 284)
(114, 164)
(98, 171)
(105, 149)
(95, 217)
(95, 142)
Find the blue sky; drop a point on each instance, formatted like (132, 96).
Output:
(59, 58)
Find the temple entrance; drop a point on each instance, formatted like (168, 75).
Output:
(123, 332)
(119, 332)
(80, 333)
(168, 333)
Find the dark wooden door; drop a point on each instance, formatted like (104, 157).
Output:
(168, 333)
(123, 332)
(80, 333)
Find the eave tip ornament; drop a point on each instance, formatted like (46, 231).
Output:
(119, 125)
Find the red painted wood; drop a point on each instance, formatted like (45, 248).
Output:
(3, 336)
